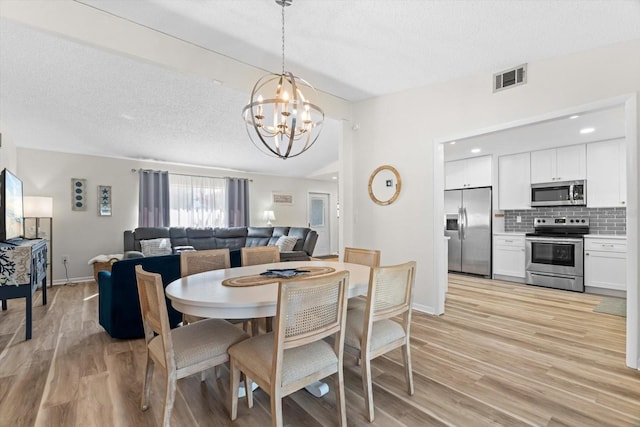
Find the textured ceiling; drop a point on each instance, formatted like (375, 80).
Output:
(93, 101)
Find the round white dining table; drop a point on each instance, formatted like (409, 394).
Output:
(204, 295)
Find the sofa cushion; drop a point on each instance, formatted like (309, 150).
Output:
(286, 243)
(201, 238)
(301, 234)
(153, 247)
(258, 236)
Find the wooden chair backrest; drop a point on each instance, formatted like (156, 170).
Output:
(153, 307)
(309, 310)
(193, 262)
(390, 291)
(368, 257)
(259, 255)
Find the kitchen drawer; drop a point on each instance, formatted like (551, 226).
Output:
(605, 245)
(515, 241)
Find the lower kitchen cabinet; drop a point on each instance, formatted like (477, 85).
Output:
(605, 263)
(508, 257)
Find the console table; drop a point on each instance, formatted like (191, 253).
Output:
(23, 266)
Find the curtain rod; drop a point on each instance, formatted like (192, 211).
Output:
(186, 174)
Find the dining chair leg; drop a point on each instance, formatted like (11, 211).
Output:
(248, 388)
(338, 381)
(169, 399)
(368, 388)
(269, 324)
(234, 384)
(408, 372)
(276, 409)
(146, 384)
(255, 329)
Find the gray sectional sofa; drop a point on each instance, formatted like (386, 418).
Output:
(217, 238)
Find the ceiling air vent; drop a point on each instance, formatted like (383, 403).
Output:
(509, 78)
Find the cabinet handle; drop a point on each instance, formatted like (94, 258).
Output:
(622, 202)
(559, 178)
(553, 179)
(586, 253)
(508, 241)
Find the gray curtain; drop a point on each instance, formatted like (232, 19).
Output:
(238, 202)
(153, 206)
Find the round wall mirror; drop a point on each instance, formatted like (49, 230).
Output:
(385, 185)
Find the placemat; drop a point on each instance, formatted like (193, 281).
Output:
(257, 279)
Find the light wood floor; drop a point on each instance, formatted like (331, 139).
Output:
(503, 354)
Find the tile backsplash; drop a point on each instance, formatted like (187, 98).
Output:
(601, 220)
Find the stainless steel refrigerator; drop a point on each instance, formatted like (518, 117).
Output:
(468, 224)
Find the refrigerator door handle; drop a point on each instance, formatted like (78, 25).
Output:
(464, 230)
(460, 225)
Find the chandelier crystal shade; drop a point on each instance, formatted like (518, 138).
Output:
(281, 121)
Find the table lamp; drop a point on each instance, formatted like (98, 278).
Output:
(269, 216)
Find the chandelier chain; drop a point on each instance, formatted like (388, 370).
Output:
(283, 3)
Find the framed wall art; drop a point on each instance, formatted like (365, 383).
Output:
(104, 200)
(78, 194)
(280, 198)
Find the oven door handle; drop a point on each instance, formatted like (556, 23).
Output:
(553, 240)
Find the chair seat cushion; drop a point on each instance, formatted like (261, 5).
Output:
(357, 303)
(383, 332)
(199, 341)
(257, 353)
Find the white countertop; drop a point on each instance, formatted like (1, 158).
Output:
(510, 233)
(605, 236)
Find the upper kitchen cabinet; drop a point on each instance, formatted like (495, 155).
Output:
(468, 173)
(514, 185)
(559, 164)
(607, 174)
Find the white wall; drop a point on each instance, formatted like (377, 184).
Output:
(401, 130)
(83, 234)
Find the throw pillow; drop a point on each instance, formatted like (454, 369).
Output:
(286, 243)
(153, 247)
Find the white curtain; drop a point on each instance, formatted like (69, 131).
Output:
(197, 201)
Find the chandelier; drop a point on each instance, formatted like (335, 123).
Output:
(280, 120)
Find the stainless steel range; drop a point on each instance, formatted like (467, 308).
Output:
(554, 253)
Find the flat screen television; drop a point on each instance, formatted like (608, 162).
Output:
(11, 209)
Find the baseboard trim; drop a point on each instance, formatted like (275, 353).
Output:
(427, 309)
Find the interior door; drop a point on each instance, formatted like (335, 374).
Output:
(319, 220)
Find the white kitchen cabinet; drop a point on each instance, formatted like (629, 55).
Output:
(559, 164)
(605, 263)
(514, 183)
(468, 173)
(607, 174)
(508, 255)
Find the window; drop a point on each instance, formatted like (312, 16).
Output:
(197, 201)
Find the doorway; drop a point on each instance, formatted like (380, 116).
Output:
(633, 292)
(319, 220)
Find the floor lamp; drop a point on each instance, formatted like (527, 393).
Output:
(41, 208)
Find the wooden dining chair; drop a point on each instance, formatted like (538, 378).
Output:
(193, 262)
(368, 257)
(296, 354)
(255, 256)
(182, 351)
(259, 255)
(371, 332)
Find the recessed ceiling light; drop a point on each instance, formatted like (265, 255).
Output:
(586, 130)
(334, 177)
(127, 117)
(475, 150)
(575, 116)
(452, 143)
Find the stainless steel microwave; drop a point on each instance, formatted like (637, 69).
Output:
(564, 193)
